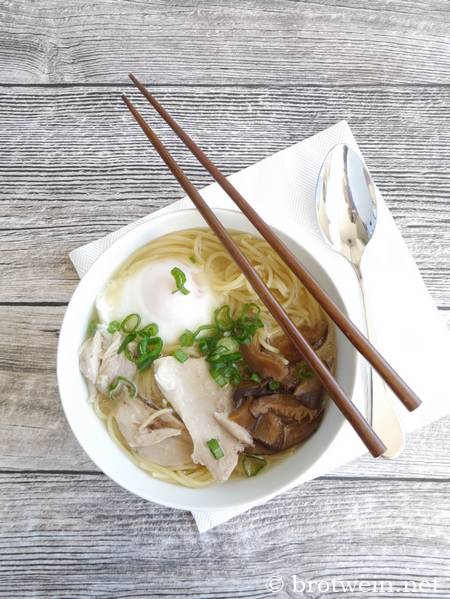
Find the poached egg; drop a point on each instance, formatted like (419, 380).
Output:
(150, 290)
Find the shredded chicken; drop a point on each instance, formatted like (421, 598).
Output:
(114, 365)
(204, 407)
(164, 441)
(90, 357)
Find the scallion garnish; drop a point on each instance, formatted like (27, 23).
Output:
(252, 464)
(274, 385)
(180, 280)
(304, 372)
(215, 449)
(130, 323)
(228, 343)
(113, 327)
(203, 328)
(222, 318)
(187, 338)
(149, 331)
(180, 355)
(153, 348)
(126, 341)
(192, 259)
(255, 377)
(118, 382)
(218, 377)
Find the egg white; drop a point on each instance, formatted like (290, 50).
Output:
(149, 291)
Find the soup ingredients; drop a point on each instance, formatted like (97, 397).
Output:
(146, 289)
(316, 337)
(203, 406)
(90, 355)
(180, 355)
(215, 448)
(252, 464)
(220, 343)
(120, 382)
(164, 440)
(180, 280)
(263, 363)
(276, 421)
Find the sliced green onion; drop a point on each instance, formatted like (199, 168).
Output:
(187, 338)
(304, 373)
(113, 327)
(192, 259)
(130, 323)
(180, 355)
(180, 280)
(222, 318)
(223, 357)
(206, 345)
(154, 347)
(255, 377)
(127, 340)
(129, 355)
(232, 374)
(149, 331)
(242, 335)
(252, 464)
(229, 343)
(218, 377)
(204, 327)
(118, 382)
(274, 385)
(215, 449)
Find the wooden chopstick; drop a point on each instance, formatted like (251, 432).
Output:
(362, 344)
(351, 413)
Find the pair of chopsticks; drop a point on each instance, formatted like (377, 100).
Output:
(348, 409)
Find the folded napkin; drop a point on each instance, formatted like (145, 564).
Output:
(410, 332)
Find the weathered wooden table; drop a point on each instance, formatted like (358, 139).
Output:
(247, 78)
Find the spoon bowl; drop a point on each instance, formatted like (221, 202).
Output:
(346, 203)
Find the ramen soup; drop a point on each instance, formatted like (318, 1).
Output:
(192, 376)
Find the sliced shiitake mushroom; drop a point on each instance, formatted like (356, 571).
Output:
(263, 363)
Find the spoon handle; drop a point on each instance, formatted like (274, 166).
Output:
(382, 414)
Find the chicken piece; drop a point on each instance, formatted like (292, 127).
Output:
(203, 406)
(165, 441)
(114, 365)
(90, 355)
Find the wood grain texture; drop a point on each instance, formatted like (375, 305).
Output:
(214, 42)
(85, 537)
(34, 434)
(71, 175)
(247, 79)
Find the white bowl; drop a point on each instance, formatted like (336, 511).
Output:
(91, 432)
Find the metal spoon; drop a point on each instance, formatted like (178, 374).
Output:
(347, 215)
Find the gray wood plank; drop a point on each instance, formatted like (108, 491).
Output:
(34, 433)
(70, 176)
(213, 42)
(82, 536)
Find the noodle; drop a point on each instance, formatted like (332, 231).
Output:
(206, 252)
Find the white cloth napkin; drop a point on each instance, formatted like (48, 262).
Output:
(411, 333)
